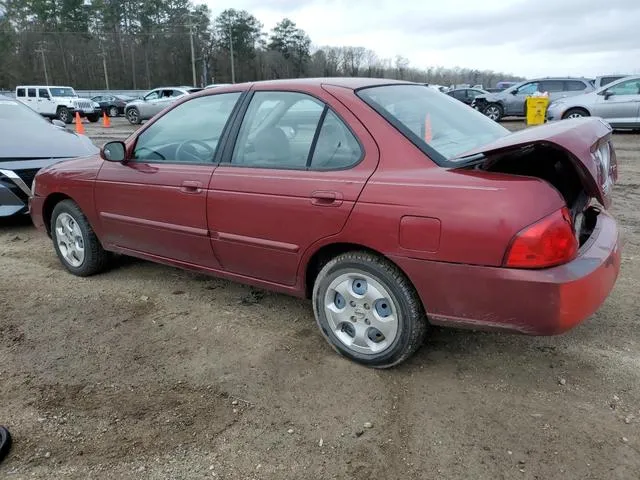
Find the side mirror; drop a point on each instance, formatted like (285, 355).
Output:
(607, 94)
(114, 152)
(59, 123)
(514, 92)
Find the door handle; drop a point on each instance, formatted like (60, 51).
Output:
(190, 186)
(326, 198)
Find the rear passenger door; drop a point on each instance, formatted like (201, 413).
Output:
(290, 179)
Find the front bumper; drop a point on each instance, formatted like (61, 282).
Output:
(15, 190)
(536, 302)
(555, 113)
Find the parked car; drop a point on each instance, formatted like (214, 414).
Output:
(57, 102)
(512, 101)
(604, 80)
(112, 105)
(467, 95)
(28, 142)
(618, 103)
(154, 102)
(373, 205)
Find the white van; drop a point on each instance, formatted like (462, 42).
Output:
(57, 102)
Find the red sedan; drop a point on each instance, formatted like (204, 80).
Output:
(393, 206)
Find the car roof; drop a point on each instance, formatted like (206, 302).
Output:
(43, 86)
(352, 83)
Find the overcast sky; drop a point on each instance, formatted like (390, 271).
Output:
(523, 37)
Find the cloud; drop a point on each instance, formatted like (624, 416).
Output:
(525, 37)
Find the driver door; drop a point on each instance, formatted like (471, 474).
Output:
(155, 202)
(514, 103)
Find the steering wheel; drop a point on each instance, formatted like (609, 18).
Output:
(188, 149)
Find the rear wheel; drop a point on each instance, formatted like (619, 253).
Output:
(575, 113)
(64, 115)
(133, 115)
(75, 242)
(494, 111)
(93, 118)
(113, 111)
(368, 310)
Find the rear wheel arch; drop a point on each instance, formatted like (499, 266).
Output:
(326, 253)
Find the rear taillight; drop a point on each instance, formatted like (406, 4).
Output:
(548, 242)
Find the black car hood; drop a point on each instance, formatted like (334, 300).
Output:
(30, 140)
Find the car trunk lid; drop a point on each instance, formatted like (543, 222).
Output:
(585, 143)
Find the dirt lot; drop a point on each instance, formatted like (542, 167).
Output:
(151, 372)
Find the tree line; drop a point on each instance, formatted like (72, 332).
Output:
(135, 44)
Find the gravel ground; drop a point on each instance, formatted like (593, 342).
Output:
(149, 372)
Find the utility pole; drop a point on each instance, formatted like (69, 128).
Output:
(233, 68)
(104, 66)
(193, 56)
(41, 50)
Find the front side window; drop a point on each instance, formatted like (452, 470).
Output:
(630, 87)
(277, 131)
(439, 125)
(528, 88)
(189, 133)
(154, 95)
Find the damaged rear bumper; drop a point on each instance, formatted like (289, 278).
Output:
(536, 302)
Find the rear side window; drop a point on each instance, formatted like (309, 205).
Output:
(574, 86)
(278, 131)
(552, 86)
(20, 92)
(31, 92)
(336, 147)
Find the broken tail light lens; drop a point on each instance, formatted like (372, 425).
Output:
(547, 243)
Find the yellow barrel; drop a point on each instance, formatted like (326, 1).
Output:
(536, 110)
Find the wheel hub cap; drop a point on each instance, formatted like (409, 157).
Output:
(69, 239)
(361, 313)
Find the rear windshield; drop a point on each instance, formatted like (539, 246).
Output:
(441, 126)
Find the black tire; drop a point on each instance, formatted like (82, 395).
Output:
(64, 115)
(113, 111)
(412, 324)
(95, 257)
(133, 115)
(575, 113)
(494, 111)
(5, 443)
(93, 118)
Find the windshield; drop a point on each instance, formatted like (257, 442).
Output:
(13, 112)
(441, 126)
(62, 92)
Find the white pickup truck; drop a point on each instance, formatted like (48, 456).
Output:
(57, 102)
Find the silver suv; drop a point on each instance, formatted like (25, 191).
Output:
(511, 102)
(154, 102)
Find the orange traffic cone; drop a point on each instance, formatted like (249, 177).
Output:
(79, 126)
(427, 129)
(106, 122)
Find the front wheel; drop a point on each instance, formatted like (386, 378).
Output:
(93, 118)
(5, 443)
(575, 113)
(133, 115)
(113, 111)
(368, 310)
(494, 111)
(64, 115)
(75, 242)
